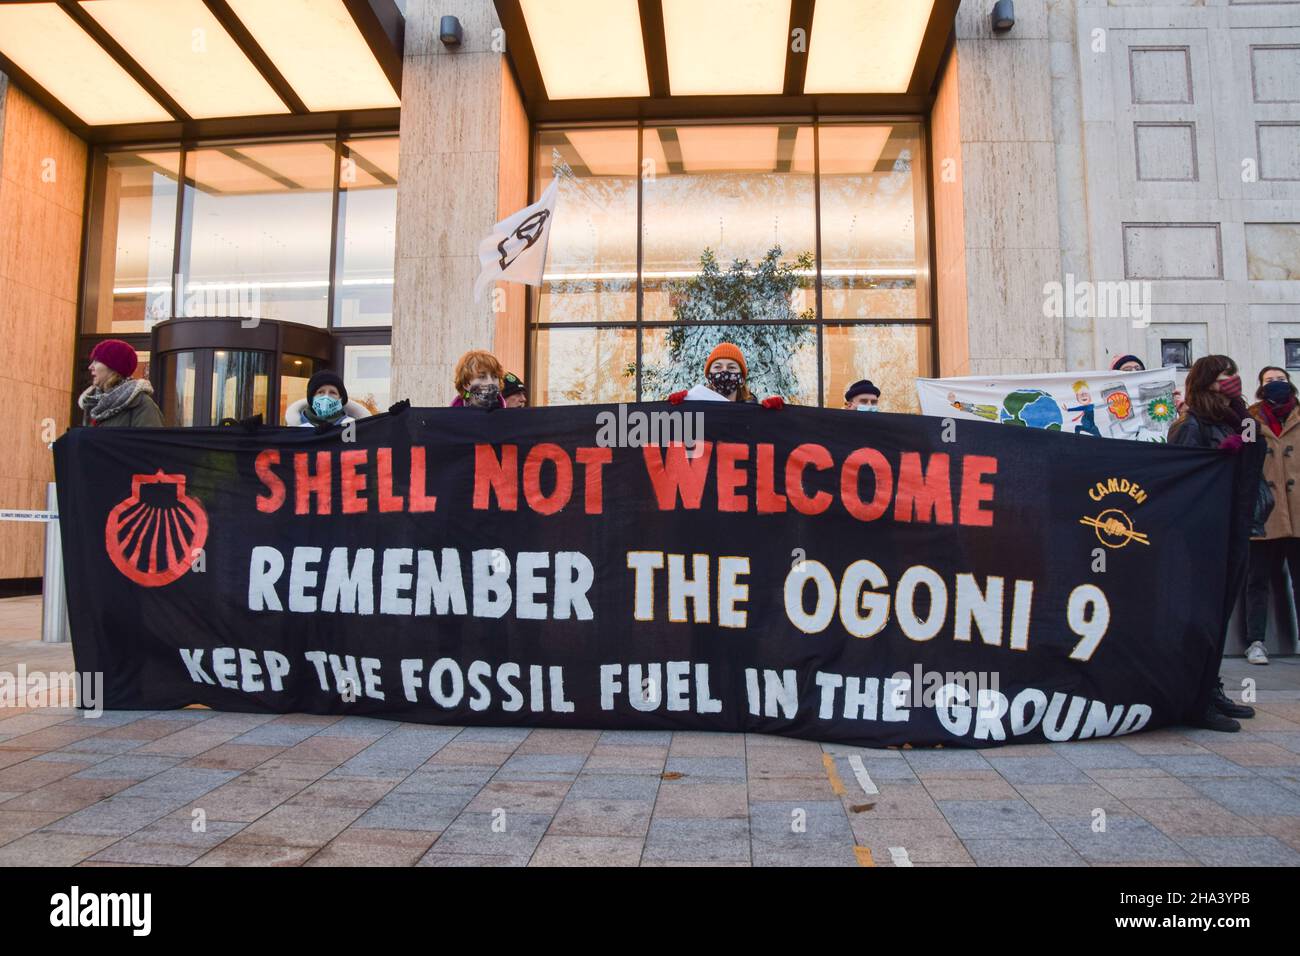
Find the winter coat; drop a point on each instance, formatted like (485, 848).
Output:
(1281, 471)
(136, 410)
(1194, 432)
(294, 417)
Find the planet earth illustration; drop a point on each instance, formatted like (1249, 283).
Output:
(1032, 408)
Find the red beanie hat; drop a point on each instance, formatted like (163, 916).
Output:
(725, 350)
(117, 355)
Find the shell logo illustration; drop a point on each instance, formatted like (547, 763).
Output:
(153, 535)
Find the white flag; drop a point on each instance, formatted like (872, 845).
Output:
(516, 250)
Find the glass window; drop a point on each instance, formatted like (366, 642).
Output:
(582, 366)
(725, 193)
(367, 232)
(181, 370)
(240, 384)
(295, 370)
(730, 234)
(131, 279)
(591, 254)
(889, 355)
(257, 231)
(872, 198)
(368, 373)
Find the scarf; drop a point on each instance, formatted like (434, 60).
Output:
(1276, 415)
(310, 415)
(100, 405)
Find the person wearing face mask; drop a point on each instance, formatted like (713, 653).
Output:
(1216, 417)
(115, 399)
(862, 397)
(478, 381)
(725, 375)
(1279, 543)
(326, 404)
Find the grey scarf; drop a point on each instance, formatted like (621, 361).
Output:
(99, 404)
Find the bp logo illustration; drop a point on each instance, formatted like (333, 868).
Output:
(152, 537)
(1113, 526)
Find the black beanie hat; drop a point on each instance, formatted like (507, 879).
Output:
(512, 384)
(1114, 366)
(326, 377)
(863, 387)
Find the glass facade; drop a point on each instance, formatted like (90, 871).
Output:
(805, 243)
(300, 231)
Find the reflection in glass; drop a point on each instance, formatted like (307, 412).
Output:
(872, 197)
(591, 256)
(368, 373)
(240, 383)
(740, 192)
(583, 366)
(367, 232)
(137, 229)
(891, 356)
(782, 359)
(258, 231)
(295, 370)
(180, 371)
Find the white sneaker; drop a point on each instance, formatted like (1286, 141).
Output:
(1256, 653)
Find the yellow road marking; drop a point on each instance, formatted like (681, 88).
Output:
(837, 785)
(863, 853)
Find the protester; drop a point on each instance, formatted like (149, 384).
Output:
(478, 381)
(1127, 363)
(725, 380)
(1216, 416)
(326, 404)
(115, 399)
(1279, 545)
(862, 396)
(514, 392)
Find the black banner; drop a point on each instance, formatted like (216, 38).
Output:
(872, 579)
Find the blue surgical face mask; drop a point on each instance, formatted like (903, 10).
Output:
(867, 408)
(326, 406)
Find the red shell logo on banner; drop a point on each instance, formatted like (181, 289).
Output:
(153, 535)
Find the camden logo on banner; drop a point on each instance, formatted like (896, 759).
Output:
(153, 536)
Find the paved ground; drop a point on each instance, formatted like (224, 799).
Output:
(317, 791)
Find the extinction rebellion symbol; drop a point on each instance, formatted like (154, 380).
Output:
(153, 536)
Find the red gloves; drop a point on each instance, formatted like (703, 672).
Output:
(677, 397)
(774, 401)
(1232, 444)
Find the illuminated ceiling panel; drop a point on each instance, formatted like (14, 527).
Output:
(726, 46)
(851, 149)
(728, 148)
(308, 165)
(587, 49)
(45, 43)
(189, 54)
(217, 171)
(606, 152)
(376, 162)
(865, 46)
(317, 47)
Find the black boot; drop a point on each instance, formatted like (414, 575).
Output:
(1213, 720)
(1226, 706)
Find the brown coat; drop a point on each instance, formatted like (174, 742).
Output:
(1281, 473)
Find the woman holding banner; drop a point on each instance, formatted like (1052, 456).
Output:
(326, 404)
(478, 381)
(1216, 417)
(725, 380)
(1279, 543)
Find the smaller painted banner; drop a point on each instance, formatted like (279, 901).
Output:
(1135, 405)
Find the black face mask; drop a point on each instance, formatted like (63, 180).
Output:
(1276, 393)
(483, 396)
(725, 383)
